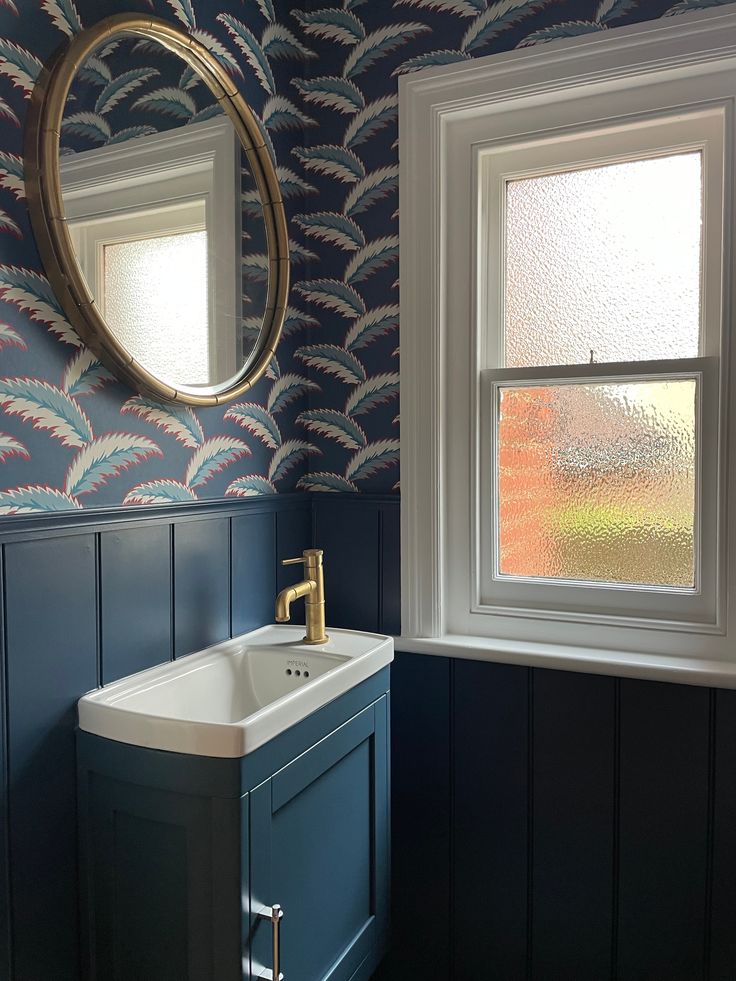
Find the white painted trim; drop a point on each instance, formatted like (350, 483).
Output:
(146, 159)
(456, 97)
(422, 388)
(618, 664)
(200, 160)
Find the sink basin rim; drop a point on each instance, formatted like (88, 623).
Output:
(104, 712)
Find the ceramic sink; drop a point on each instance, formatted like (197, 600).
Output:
(231, 698)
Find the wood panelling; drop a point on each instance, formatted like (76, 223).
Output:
(390, 559)
(591, 830)
(201, 584)
(86, 599)
(490, 828)
(572, 835)
(135, 600)
(5, 962)
(52, 644)
(254, 570)
(349, 535)
(293, 535)
(546, 825)
(721, 950)
(663, 831)
(420, 778)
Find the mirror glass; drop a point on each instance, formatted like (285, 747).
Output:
(164, 214)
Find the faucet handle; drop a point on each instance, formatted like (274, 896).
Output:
(310, 555)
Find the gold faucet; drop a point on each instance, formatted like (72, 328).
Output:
(313, 589)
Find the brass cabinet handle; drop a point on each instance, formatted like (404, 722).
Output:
(275, 914)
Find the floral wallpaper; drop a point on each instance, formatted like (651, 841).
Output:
(323, 79)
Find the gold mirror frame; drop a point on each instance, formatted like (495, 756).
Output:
(45, 203)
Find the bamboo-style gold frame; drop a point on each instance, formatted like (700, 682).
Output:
(43, 189)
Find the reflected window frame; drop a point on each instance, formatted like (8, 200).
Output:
(115, 184)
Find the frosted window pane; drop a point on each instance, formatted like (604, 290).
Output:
(156, 303)
(604, 260)
(596, 482)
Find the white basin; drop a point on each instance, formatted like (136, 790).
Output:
(232, 698)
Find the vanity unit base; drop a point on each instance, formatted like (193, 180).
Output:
(182, 855)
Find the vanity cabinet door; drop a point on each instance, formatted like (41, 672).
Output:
(162, 874)
(319, 847)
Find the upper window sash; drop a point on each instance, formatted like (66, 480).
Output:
(633, 138)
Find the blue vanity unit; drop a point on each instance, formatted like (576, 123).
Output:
(186, 858)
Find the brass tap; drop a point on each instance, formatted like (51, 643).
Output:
(313, 589)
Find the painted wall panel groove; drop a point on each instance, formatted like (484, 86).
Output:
(52, 660)
(172, 593)
(529, 968)
(452, 897)
(722, 932)
(98, 609)
(664, 817)
(349, 537)
(572, 828)
(253, 558)
(390, 584)
(616, 837)
(202, 588)
(491, 830)
(231, 578)
(135, 600)
(294, 533)
(5, 924)
(708, 914)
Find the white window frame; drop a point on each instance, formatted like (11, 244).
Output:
(451, 119)
(111, 189)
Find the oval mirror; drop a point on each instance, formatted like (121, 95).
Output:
(157, 211)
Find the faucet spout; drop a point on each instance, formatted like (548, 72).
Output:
(313, 590)
(287, 596)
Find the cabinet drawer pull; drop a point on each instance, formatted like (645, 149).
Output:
(275, 914)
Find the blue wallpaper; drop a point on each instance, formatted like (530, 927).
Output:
(324, 81)
(70, 435)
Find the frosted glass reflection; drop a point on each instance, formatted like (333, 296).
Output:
(605, 260)
(596, 482)
(156, 304)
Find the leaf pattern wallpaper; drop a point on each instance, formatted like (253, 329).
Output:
(323, 80)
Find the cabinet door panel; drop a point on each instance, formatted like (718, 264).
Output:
(162, 893)
(319, 832)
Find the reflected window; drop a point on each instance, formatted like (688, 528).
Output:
(156, 227)
(155, 299)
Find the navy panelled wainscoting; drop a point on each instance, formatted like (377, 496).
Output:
(360, 537)
(546, 825)
(90, 597)
(560, 827)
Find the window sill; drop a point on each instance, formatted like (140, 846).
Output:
(621, 664)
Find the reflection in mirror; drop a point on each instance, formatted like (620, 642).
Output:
(164, 214)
